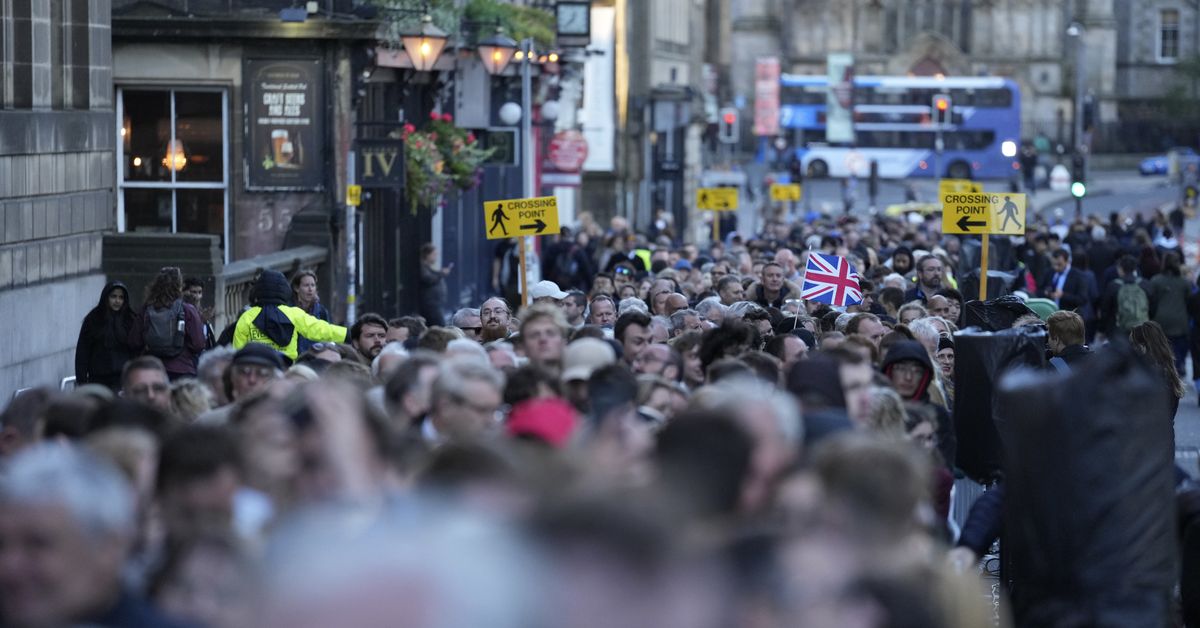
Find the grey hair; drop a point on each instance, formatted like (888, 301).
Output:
(471, 571)
(455, 372)
(894, 278)
(391, 348)
(465, 312)
(925, 331)
(842, 321)
(629, 304)
(97, 496)
(747, 394)
(503, 346)
(742, 308)
(220, 356)
(709, 304)
(467, 349)
(661, 321)
(679, 318)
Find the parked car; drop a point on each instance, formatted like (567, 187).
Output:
(1159, 164)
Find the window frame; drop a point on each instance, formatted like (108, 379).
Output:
(1159, 40)
(173, 185)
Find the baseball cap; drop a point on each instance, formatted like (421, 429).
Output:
(582, 357)
(259, 353)
(544, 289)
(549, 420)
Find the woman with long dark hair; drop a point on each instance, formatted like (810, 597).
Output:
(1149, 340)
(169, 328)
(103, 347)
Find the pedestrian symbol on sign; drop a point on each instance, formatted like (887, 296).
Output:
(498, 218)
(1010, 213)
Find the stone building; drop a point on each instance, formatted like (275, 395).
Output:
(1130, 49)
(57, 142)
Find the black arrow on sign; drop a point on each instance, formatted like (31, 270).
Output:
(965, 223)
(539, 226)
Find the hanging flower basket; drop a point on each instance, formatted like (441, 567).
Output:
(441, 158)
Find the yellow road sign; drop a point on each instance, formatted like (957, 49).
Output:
(785, 191)
(521, 217)
(717, 199)
(958, 186)
(354, 195)
(973, 212)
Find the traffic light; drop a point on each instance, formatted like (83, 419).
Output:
(795, 169)
(941, 109)
(727, 131)
(1078, 175)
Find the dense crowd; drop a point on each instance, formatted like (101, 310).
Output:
(668, 435)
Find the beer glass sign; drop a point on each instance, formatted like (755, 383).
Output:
(283, 147)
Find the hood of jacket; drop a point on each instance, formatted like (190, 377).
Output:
(271, 291)
(101, 308)
(910, 351)
(272, 288)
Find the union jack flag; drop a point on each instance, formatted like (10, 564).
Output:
(830, 279)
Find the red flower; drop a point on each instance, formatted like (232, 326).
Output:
(447, 117)
(434, 116)
(409, 128)
(470, 137)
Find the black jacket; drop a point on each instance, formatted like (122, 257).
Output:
(911, 350)
(1075, 290)
(103, 346)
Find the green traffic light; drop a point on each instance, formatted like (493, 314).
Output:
(1078, 189)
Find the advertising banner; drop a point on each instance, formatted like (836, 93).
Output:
(839, 102)
(285, 125)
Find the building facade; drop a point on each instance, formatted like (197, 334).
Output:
(57, 148)
(1130, 53)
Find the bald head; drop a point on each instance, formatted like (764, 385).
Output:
(675, 302)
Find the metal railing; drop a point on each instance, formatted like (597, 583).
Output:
(236, 281)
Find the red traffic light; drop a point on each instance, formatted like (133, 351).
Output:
(730, 117)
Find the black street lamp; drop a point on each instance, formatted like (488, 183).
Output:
(496, 52)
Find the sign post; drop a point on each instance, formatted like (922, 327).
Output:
(717, 200)
(983, 213)
(523, 218)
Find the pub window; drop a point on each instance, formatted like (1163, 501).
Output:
(173, 171)
(1168, 35)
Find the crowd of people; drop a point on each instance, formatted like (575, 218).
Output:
(667, 435)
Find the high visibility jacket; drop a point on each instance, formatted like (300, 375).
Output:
(306, 324)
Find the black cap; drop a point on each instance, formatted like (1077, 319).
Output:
(259, 353)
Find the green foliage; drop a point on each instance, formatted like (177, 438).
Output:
(400, 16)
(519, 22)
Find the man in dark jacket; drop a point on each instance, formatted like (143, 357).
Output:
(1065, 338)
(910, 370)
(103, 347)
(929, 279)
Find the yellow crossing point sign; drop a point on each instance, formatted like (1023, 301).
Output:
(958, 186)
(717, 199)
(521, 217)
(354, 195)
(785, 191)
(978, 213)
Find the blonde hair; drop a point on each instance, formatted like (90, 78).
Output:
(190, 399)
(887, 413)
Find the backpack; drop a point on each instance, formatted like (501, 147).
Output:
(164, 330)
(1133, 306)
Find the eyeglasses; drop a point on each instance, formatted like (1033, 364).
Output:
(246, 370)
(474, 330)
(323, 346)
(909, 370)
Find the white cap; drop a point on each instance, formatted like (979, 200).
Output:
(544, 289)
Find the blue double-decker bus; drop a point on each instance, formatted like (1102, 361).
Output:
(893, 127)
